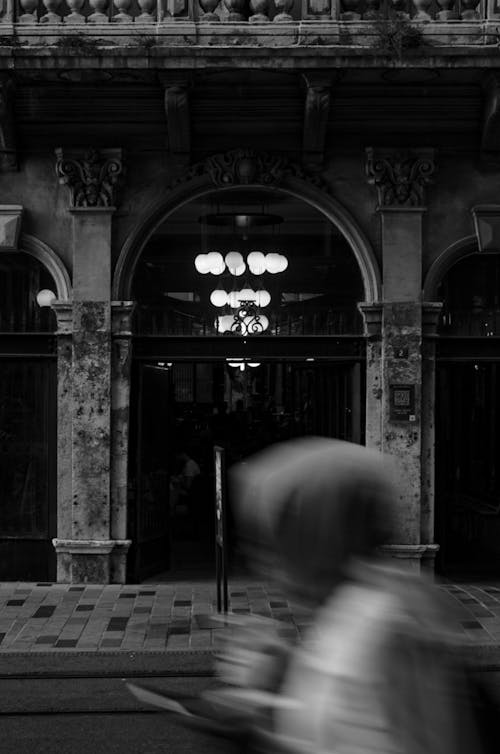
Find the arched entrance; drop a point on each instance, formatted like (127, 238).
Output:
(28, 412)
(201, 375)
(468, 416)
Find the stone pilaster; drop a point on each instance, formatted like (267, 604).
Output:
(121, 357)
(64, 314)
(400, 179)
(92, 178)
(430, 318)
(372, 317)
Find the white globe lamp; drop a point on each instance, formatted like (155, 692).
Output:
(202, 264)
(45, 298)
(256, 261)
(218, 297)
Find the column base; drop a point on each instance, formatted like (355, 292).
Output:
(409, 557)
(91, 561)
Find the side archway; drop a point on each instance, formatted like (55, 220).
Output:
(444, 262)
(248, 170)
(50, 260)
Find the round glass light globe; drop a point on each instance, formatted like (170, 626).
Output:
(283, 263)
(264, 322)
(216, 263)
(273, 263)
(263, 298)
(233, 299)
(44, 298)
(247, 294)
(256, 261)
(202, 264)
(234, 261)
(218, 297)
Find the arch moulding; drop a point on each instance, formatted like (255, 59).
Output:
(53, 264)
(246, 169)
(444, 262)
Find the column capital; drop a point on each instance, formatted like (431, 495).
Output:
(372, 317)
(92, 176)
(64, 316)
(431, 311)
(121, 318)
(400, 176)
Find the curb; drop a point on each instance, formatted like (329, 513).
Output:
(101, 664)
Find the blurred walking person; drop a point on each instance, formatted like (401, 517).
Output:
(377, 673)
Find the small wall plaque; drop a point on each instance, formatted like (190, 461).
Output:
(400, 352)
(402, 403)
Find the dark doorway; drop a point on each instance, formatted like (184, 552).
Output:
(183, 408)
(467, 480)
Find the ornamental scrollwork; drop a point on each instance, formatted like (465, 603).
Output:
(93, 177)
(400, 176)
(244, 167)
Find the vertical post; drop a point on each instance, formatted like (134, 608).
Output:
(121, 357)
(430, 317)
(372, 316)
(92, 178)
(400, 178)
(64, 314)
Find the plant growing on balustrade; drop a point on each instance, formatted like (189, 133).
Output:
(79, 43)
(396, 35)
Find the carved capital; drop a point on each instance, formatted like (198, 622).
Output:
(372, 318)
(431, 311)
(400, 176)
(8, 151)
(92, 176)
(121, 318)
(64, 316)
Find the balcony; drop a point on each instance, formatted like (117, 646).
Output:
(152, 27)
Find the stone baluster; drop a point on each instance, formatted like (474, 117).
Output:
(52, 16)
(146, 15)
(29, 14)
(468, 10)
(209, 7)
(350, 10)
(123, 16)
(422, 10)
(283, 7)
(236, 9)
(316, 10)
(74, 16)
(372, 9)
(99, 15)
(260, 11)
(447, 10)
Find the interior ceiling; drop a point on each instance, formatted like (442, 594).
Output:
(242, 108)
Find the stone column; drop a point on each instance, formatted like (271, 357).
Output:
(400, 179)
(372, 316)
(64, 314)
(430, 319)
(121, 357)
(92, 178)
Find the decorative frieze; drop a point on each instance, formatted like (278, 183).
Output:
(93, 176)
(400, 176)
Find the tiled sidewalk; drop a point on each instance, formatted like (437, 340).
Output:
(158, 617)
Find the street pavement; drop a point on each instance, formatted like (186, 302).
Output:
(171, 620)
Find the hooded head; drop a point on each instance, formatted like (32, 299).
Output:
(310, 506)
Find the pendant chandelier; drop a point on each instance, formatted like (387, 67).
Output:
(243, 304)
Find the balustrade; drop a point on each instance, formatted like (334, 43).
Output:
(78, 12)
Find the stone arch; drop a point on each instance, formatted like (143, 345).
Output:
(247, 169)
(50, 260)
(444, 262)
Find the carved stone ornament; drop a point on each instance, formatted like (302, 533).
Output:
(8, 150)
(244, 167)
(93, 176)
(400, 176)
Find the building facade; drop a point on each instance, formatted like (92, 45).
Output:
(347, 156)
